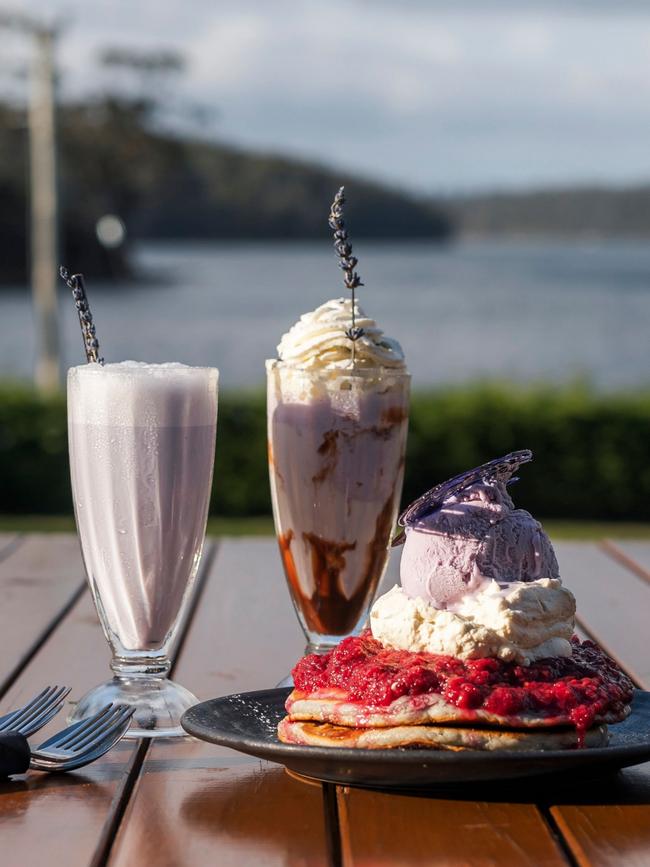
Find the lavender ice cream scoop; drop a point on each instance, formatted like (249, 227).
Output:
(472, 536)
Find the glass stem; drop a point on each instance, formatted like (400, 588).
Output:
(320, 649)
(153, 665)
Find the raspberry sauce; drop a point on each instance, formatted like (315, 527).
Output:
(580, 688)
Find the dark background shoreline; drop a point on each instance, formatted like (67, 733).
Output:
(114, 160)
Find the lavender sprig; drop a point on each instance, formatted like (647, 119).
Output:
(75, 282)
(347, 262)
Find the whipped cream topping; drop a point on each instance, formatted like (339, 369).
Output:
(318, 340)
(521, 622)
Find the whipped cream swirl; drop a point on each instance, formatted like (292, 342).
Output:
(318, 340)
(522, 622)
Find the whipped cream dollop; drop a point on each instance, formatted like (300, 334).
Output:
(521, 622)
(318, 340)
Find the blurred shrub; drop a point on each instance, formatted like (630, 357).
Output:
(241, 476)
(34, 475)
(592, 452)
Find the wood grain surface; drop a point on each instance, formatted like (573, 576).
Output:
(8, 543)
(39, 580)
(49, 819)
(388, 830)
(606, 823)
(186, 802)
(607, 836)
(213, 805)
(633, 555)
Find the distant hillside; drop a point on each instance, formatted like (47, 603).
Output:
(216, 191)
(113, 160)
(564, 212)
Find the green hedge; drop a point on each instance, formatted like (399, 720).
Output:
(592, 452)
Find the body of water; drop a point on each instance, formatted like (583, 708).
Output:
(518, 311)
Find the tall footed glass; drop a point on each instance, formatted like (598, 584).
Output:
(142, 441)
(337, 441)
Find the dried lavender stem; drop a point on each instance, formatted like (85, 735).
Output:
(75, 283)
(347, 262)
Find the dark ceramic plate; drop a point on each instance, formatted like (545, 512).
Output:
(247, 722)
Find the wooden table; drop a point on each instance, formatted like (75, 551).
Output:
(189, 803)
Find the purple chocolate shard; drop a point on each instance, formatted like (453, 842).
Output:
(497, 470)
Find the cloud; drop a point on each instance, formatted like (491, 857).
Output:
(528, 40)
(225, 53)
(429, 94)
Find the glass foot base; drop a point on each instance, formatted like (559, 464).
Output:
(159, 704)
(323, 644)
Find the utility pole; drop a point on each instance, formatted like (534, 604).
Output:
(44, 211)
(43, 244)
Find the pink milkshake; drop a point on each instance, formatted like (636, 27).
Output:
(142, 440)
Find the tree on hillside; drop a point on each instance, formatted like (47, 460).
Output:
(119, 155)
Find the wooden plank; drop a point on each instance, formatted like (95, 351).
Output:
(634, 556)
(471, 808)
(59, 820)
(65, 820)
(8, 544)
(607, 836)
(194, 807)
(576, 807)
(612, 604)
(196, 803)
(637, 551)
(39, 581)
(245, 634)
(606, 822)
(393, 830)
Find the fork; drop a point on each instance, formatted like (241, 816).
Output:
(27, 720)
(76, 746)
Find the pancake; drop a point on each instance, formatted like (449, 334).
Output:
(333, 706)
(453, 738)
(364, 684)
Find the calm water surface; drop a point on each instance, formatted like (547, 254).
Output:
(516, 311)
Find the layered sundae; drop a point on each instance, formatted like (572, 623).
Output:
(336, 438)
(337, 408)
(476, 648)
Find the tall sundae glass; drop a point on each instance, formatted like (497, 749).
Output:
(337, 408)
(337, 439)
(142, 441)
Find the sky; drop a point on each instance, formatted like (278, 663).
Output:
(437, 97)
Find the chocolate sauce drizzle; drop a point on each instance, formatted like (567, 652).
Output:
(328, 610)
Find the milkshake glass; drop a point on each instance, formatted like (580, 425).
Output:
(141, 440)
(337, 439)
